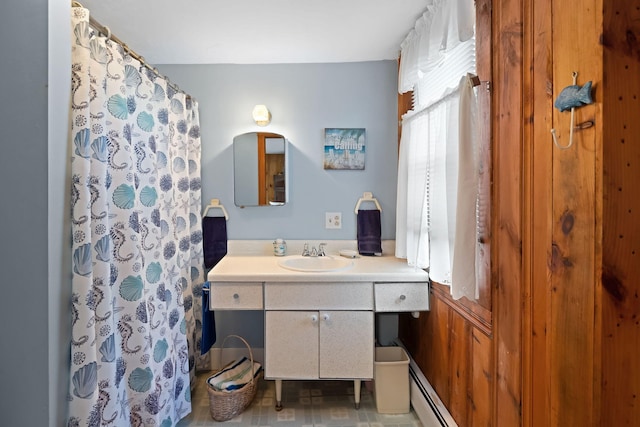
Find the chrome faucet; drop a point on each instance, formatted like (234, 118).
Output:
(305, 250)
(314, 252)
(321, 247)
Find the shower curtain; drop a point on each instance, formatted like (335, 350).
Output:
(136, 238)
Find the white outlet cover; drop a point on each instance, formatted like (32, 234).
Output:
(333, 220)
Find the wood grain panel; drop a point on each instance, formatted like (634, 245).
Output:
(480, 402)
(572, 256)
(621, 215)
(456, 358)
(262, 181)
(274, 165)
(538, 149)
(483, 64)
(460, 369)
(268, 166)
(507, 211)
(437, 355)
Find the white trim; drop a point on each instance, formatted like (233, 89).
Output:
(424, 399)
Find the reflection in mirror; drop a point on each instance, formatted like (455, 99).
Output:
(259, 169)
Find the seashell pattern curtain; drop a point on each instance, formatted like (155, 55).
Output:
(136, 238)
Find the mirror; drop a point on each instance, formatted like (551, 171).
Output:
(260, 169)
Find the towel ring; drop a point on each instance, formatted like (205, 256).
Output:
(367, 196)
(215, 204)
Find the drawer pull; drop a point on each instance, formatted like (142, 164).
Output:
(236, 296)
(403, 297)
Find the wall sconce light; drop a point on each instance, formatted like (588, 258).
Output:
(261, 115)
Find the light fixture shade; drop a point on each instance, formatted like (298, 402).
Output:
(261, 115)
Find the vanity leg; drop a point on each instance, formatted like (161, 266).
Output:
(278, 395)
(356, 392)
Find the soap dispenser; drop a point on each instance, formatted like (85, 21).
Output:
(279, 247)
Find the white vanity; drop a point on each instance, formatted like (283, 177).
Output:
(318, 324)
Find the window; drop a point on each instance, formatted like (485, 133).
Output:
(437, 170)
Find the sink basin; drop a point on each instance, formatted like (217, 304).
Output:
(315, 264)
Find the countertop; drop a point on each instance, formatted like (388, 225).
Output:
(265, 268)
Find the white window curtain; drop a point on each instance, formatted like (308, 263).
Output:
(438, 169)
(444, 25)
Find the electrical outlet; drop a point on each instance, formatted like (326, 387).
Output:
(333, 220)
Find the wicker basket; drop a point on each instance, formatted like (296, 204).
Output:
(225, 405)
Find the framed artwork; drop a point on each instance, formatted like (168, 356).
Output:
(344, 148)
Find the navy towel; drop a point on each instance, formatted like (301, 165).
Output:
(208, 322)
(369, 232)
(214, 239)
(214, 246)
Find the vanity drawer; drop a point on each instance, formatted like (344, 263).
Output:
(406, 296)
(235, 296)
(318, 296)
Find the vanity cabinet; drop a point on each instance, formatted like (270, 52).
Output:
(319, 331)
(318, 325)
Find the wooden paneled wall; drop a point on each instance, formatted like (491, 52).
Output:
(563, 206)
(554, 339)
(455, 355)
(581, 333)
(620, 274)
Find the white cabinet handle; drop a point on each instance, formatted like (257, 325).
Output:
(325, 316)
(314, 318)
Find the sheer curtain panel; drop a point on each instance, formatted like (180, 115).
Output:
(437, 170)
(444, 25)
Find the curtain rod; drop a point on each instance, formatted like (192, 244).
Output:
(104, 30)
(411, 114)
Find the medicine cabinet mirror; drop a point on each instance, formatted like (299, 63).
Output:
(260, 169)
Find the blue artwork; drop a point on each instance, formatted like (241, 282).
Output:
(574, 96)
(344, 148)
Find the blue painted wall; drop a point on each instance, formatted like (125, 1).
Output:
(304, 99)
(35, 314)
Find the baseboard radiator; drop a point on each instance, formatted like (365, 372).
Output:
(424, 399)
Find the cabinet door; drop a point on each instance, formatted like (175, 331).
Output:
(291, 344)
(346, 344)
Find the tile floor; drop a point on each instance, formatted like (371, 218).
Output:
(306, 404)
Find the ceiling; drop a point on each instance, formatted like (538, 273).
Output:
(259, 31)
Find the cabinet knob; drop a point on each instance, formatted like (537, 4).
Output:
(314, 318)
(403, 297)
(325, 316)
(236, 296)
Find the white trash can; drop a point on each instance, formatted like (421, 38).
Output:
(391, 380)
